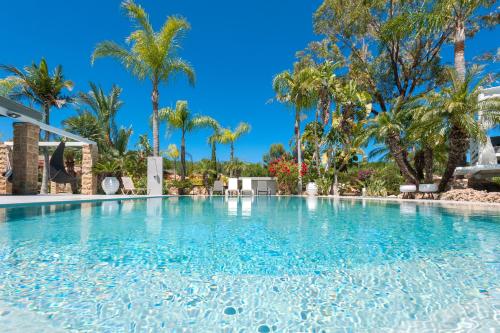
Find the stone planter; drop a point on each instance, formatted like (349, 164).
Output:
(110, 185)
(312, 189)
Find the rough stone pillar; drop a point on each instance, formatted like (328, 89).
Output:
(89, 179)
(25, 159)
(5, 185)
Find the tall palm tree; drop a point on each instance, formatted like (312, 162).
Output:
(213, 140)
(173, 153)
(323, 84)
(46, 89)
(152, 55)
(463, 18)
(181, 118)
(105, 107)
(292, 89)
(230, 137)
(455, 108)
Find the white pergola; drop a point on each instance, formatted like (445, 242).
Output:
(27, 124)
(21, 113)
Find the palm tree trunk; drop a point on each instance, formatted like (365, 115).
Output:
(155, 96)
(458, 145)
(429, 165)
(231, 171)
(175, 169)
(459, 53)
(183, 156)
(214, 156)
(232, 151)
(419, 163)
(45, 175)
(459, 48)
(409, 174)
(299, 150)
(317, 139)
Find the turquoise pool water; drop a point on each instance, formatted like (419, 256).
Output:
(249, 265)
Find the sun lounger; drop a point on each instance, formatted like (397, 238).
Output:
(129, 187)
(233, 187)
(247, 186)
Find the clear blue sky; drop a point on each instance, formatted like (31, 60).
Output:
(235, 47)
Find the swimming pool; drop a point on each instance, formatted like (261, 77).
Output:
(263, 264)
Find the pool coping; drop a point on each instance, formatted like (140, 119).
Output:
(51, 199)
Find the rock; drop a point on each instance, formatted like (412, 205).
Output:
(471, 195)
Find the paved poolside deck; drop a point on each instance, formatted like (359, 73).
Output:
(62, 198)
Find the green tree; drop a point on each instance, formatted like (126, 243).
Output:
(292, 89)
(144, 145)
(173, 153)
(152, 55)
(276, 151)
(181, 118)
(230, 137)
(208, 173)
(454, 109)
(104, 107)
(392, 51)
(323, 84)
(46, 89)
(86, 125)
(213, 140)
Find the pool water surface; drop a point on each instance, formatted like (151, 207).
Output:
(263, 264)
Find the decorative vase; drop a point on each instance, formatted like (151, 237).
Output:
(312, 189)
(110, 185)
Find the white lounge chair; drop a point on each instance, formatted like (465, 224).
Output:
(129, 187)
(247, 186)
(428, 190)
(233, 187)
(408, 191)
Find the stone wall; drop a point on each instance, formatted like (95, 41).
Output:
(5, 156)
(89, 179)
(25, 158)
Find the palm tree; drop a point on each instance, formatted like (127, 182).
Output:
(292, 89)
(181, 118)
(385, 128)
(144, 145)
(323, 84)
(104, 108)
(152, 55)
(40, 86)
(234, 167)
(463, 19)
(86, 125)
(173, 153)
(230, 137)
(204, 167)
(214, 139)
(454, 108)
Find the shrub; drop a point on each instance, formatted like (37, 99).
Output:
(324, 185)
(184, 186)
(287, 174)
